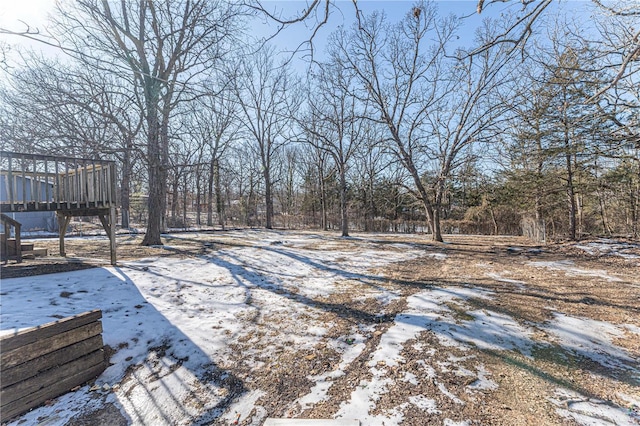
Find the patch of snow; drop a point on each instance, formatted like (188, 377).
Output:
(364, 398)
(589, 411)
(449, 422)
(632, 400)
(569, 269)
(632, 328)
(519, 284)
(411, 378)
(591, 339)
(429, 372)
(242, 407)
(428, 311)
(425, 404)
(483, 382)
(173, 400)
(607, 247)
(494, 331)
(437, 256)
(323, 382)
(446, 392)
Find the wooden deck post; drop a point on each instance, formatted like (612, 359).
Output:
(109, 225)
(113, 217)
(63, 223)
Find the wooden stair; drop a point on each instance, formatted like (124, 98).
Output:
(27, 250)
(14, 248)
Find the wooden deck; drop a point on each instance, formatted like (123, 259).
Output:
(69, 186)
(31, 182)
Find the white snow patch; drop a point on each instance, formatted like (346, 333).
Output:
(449, 422)
(483, 382)
(498, 277)
(446, 392)
(243, 406)
(632, 328)
(172, 400)
(429, 372)
(323, 382)
(569, 269)
(610, 248)
(592, 339)
(428, 311)
(437, 256)
(364, 399)
(411, 378)
(425, 404)
(589, 411)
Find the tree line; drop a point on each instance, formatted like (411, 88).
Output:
(396, 126)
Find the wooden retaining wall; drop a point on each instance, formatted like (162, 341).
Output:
(47, 361)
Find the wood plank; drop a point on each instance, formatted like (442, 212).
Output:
(67, 184)
(11, 182)
(35, 185)
(57, 184)
(44, 346)
(24, 183)
(10, 410)
(95, 180)
(24, 337)
(50, 377)
(12, 375)
(46, 188)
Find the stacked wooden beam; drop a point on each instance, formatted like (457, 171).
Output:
(44, 362)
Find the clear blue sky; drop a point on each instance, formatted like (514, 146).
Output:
(395, 10)
(34, 13)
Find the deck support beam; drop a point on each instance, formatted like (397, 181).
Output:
(109, 225)
(107, 216)
(63, 223)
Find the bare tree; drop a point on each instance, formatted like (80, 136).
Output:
(433, 106)
(214, 123)
(266, 94)
(336, 122)
(165, 47)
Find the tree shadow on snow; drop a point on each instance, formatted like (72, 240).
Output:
(162, 376)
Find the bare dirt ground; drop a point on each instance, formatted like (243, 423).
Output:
(527, 285)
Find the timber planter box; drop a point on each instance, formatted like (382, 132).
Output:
(44, 362)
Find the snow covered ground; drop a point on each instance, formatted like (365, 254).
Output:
(176, 322)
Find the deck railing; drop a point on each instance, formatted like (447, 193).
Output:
(32, 182)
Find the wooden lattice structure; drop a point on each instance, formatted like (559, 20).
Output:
(69, 186)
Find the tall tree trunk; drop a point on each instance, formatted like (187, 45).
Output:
(174, 198)
(268, 198)
(157, 181)
(125, 188)
(198, 197)
(323, 199)
(210, 193)
(343, 203)
(184, 201)
(635, 206)
(571, 197)
(219, 197)
(435, 227)
(493, 219)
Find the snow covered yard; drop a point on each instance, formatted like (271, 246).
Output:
(234, 327)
